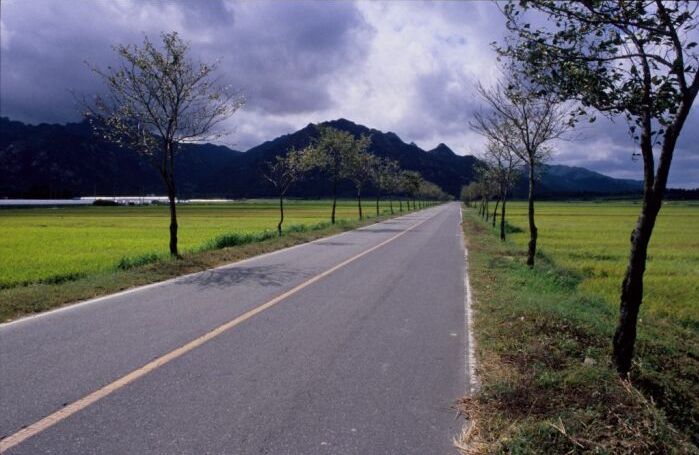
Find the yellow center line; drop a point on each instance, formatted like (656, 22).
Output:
(76, 406)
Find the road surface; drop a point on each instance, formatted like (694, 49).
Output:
(352, 344)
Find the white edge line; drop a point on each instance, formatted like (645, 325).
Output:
(80, 304)
(468, 308)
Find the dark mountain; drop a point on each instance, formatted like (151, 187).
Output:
(570, 181)
(68, 160)
(446, 169)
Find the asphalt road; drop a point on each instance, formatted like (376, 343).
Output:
(367, 358)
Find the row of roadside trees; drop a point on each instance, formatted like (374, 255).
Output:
(158, 98)
(342, 157)
(637, 60)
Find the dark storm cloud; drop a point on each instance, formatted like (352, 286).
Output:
(407, 67)
(280, 54)
(607, 146)
(283, 54)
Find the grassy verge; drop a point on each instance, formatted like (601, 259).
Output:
(149, 268)
(547, 385)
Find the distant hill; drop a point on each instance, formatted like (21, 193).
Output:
(47, 161)
(559, 181)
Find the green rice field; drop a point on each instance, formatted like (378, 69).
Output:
(592, 239)
(50, 244)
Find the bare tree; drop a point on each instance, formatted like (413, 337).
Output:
(157, 99)
(504, 167)
(484, 185)
(631, 58)
(525, 121)
(282, 173)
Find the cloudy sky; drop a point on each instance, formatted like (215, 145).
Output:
(406, 67)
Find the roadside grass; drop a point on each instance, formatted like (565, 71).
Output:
(543, 344)
(141, 269)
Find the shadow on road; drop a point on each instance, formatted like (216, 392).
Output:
(265, 276)
(382, 231)
(332, 243)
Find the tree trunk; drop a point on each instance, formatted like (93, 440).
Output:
(653, 191)
(400, 205)
(502, 219)
(390, 204)
(531, 251)
(495, 212)
(168, 173)
(632, 285)
(332, 216)
(486, 210)
(281, 214)
(359, 204)
(173, 220)
(377, 205)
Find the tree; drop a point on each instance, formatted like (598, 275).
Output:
(485, 188)
(383, 173)
(631, 58)
(398, 187)
(358, 167)
(430, 192)
(469, 193)
(157, 99)
(526, 121)
(282, 173)
(330, 153)
(412, 181)
(504, 167)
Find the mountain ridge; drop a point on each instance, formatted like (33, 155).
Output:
(53, 160)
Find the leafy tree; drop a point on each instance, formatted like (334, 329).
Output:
(525, 121)
(383, 174)
(631, 58)
(412, 181)
(358, 167)
(469, 193)
(398, 187)
(330, 153)
(282, 173)
(157, 99)
(430, 192)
